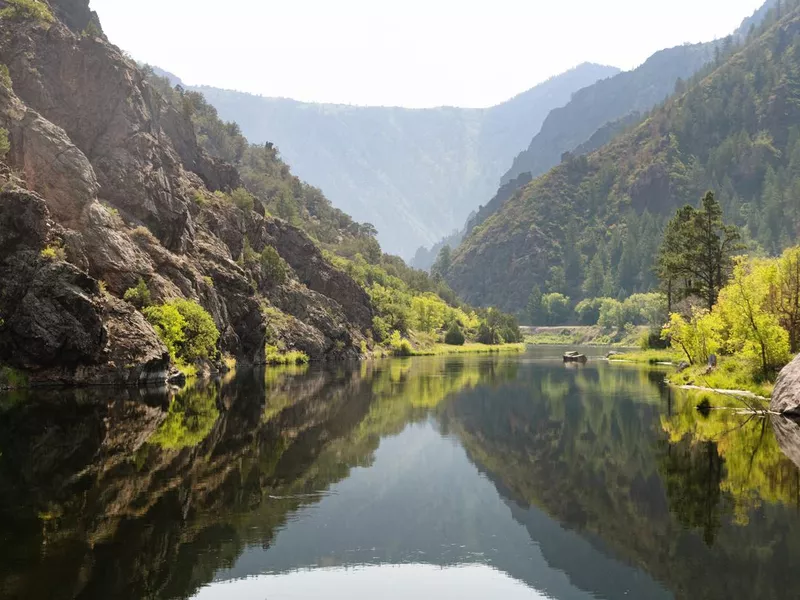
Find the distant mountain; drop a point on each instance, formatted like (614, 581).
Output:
(632, 91)
(591, 225)
(595, 115)
(414, 174)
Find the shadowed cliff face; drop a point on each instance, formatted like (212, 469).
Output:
(105, 169)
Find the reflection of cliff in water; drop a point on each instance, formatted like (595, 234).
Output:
(588, 448)
(623, 490)
(98, 512)
(103, 515)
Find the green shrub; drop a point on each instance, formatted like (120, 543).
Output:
(5, 76)
(5, 145)
(272, 266)
(400, 346)
(169, 325)
(274, 356)
(53, 252)
(139, 296)
(12, 378)
(487, 335)
(26, 9)
(186, 328)
(92, 30)
(201, 332)
(454, 335)
(243, 199)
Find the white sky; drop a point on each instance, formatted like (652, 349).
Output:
(411, 53)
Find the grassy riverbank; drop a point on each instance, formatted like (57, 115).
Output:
(732, 373)
(583, 335)
(474, 348)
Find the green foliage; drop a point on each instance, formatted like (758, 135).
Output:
(170, 326)
(243, 199)
(200, 331)
(26, 9)
(721, 133)
(696, 256)
(12, 378)
(267, 177)
(53, 251)
(751, 329)
(273, 266)
(443, 262)
(588, 310)
(399, 345)
(275, 356)
(92, 30)
(5, 76)
(139, 296)
(638, 309)
(454, 335)
(187, 330)
(555, 309)
(697, 338)
(5, 145)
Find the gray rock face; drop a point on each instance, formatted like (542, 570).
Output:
(786, 397)
(56, 323)
(102, 167)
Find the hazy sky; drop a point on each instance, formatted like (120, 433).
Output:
(403, 52)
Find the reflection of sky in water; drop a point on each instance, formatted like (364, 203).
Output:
(387, 582)
(424, 501)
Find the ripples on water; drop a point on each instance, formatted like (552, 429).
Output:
(485, 477)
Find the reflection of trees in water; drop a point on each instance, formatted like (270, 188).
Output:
(589, 448)
(692, 477)
(109, 498)
(754, 469)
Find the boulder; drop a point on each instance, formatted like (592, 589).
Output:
(786, 396)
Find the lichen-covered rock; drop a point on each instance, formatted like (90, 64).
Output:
(786, 396)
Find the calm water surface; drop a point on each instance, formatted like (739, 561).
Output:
(512, 477)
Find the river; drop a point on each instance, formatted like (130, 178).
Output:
(470, 477)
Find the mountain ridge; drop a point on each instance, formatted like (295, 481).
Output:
(415, 174)
(733, 130)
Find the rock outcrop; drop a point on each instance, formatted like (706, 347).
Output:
(110, 176)
(786, 396)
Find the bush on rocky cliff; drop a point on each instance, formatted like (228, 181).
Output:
(5, 76)
(26, 9)
(139, 296)
(5, 146)
(186, 328)
(273, 266)
(243, 199)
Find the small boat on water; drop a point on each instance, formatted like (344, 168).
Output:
(575, 357)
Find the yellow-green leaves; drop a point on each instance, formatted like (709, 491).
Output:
(697, 338)
(26, 9)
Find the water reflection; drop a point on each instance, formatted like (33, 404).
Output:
(550, 481)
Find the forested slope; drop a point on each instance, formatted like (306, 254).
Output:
(414, 174)
(595, 221)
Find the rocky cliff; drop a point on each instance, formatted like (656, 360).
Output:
(105, 182)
